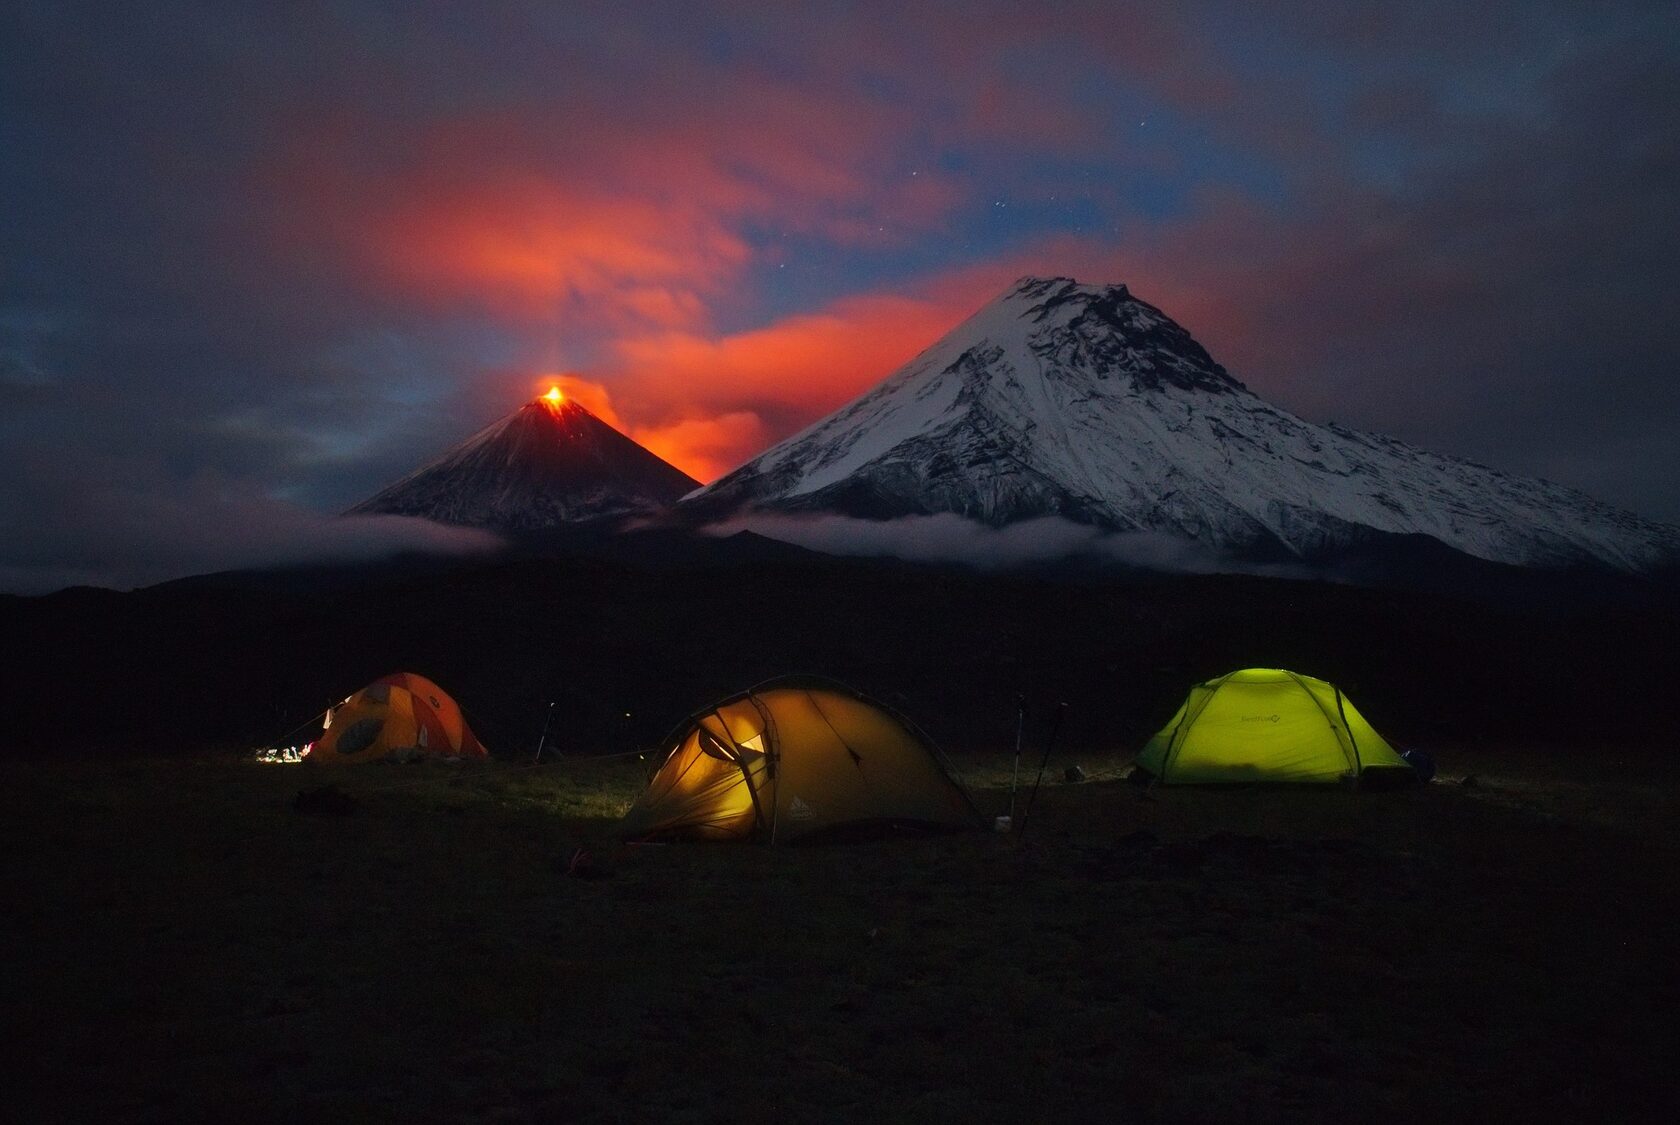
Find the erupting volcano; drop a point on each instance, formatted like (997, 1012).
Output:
(551, 462)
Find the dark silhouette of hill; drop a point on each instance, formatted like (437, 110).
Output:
(625, 636)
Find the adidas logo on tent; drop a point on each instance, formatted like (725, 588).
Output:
(799, 810)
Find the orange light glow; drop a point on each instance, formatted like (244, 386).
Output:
(555, 396)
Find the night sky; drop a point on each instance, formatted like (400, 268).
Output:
(257, 260)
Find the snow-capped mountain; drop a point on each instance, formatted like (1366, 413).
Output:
(1084, 402)
(550, 462)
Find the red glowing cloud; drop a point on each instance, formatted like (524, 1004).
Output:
(706, 448)
(807, 362)
(703, 447)
(619, 218)
(533, 248)
(709, 403)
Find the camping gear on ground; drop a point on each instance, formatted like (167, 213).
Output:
(1422, 763)
(794, 759)
(1269, 725)
(398, 717)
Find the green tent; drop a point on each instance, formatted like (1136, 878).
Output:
(1268, 724)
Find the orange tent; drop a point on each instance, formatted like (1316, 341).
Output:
(791, 760)
(403, 715)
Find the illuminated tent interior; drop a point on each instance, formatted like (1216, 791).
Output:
(399, 716)
(1269, 725)
(789, 761)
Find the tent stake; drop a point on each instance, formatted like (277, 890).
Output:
(1055, 729)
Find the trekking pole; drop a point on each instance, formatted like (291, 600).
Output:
(1015, 773)
(1055, 729)
(542, 738)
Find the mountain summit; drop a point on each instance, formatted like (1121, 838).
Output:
(550, 462)
(1081, 401)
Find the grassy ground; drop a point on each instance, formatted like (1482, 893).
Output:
(182, 945)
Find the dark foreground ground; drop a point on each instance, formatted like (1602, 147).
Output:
(182, 945)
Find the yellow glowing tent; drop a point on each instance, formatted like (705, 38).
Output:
(791, 760)
(402, 715)
(1268, 724)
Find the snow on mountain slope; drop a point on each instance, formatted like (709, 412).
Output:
(1084, 402)
(551, 462)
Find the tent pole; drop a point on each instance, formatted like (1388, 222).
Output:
(1055, 729)
(542, 738)
(1015, 773)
